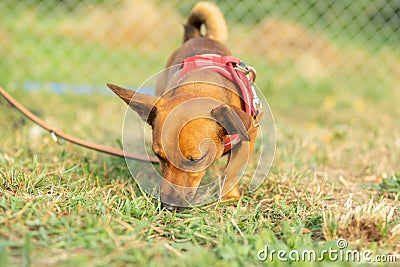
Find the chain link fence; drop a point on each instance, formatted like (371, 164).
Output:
(347, 45)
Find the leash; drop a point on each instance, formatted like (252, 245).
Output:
(56, 134)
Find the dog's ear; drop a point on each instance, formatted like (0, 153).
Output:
(233, 119)
(141, 103)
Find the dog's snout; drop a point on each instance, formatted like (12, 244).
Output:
(171, 207)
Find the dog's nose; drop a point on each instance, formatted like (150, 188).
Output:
(171, 207)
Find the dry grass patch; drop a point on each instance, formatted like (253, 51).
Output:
(364, 223)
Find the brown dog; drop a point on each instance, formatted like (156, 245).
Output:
(187, 139)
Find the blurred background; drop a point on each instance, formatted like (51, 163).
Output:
(335, 62)
(349, 45)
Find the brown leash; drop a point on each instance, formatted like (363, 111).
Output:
(56, 133)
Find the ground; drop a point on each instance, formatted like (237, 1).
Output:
(335, 174)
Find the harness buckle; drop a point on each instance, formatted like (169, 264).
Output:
(256, 100)
(248, 70)
(242, 67)
(252, 73)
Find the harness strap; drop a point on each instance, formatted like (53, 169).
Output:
(230, 142)
(234, 70)
(56, 133)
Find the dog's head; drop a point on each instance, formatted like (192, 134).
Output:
(189, 134)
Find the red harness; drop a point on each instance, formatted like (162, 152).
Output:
(234, 70)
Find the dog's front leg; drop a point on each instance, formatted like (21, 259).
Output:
(237, 159)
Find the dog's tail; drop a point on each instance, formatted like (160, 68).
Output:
(210, 15)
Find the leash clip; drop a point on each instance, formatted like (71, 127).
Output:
(60, 141)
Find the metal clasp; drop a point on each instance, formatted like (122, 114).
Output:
(256, 100)
(242, 67)
(248, 70)
(252, 73)
(57, 140)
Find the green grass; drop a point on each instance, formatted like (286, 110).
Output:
(335, 173)
(64, 205)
